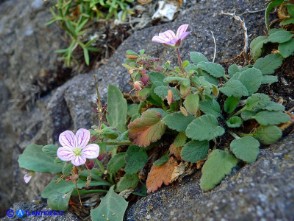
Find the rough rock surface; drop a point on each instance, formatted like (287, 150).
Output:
(27, 54)
(263, 190)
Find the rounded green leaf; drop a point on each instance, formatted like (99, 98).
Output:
(33, 158)
(279, 36)
(194, 151)
(128, 181)
(210, 106)
(218, 165)
(234, 122)
(197, 57)
(205, 127)
(59, 201)
(191, 103)
(234, 88)
(256, 47)
(251, 79)
(116, 162)
(177, 121)
(269, 63)
(268, 134)
(215, 70)
(136, 158)
(245, 148)
(287, 49)
(271, 117)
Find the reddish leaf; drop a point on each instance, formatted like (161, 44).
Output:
(159, 175)
(148, 128)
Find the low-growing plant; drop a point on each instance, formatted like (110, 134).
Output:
(75, 16)
(177, 119)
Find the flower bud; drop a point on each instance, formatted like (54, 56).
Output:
(145, 79)
(138, 85)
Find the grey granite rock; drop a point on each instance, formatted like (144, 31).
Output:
(263, 190)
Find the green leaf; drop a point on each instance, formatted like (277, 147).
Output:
(51, 150)
(67, 168)
(197, 57)
(269, 63)
(162, 91)
(33, 158)
(287, 21)
(279, 36)
(116, 108)
(269, 79)
(273, 106)
(116, 163)
(204, 128)
(112, 207)
(133, 111)
(180, 140)
(86, 56)
(210, 106)
(64, 187)
(231, 104)
(251, 79)
(245, 148)
(156, 78)
(136, 158)
(256, 47)
(233, 69)
(270, 8)
(247, 115)
(128, 181)
(148, 128)
(215, 70)
(268, 134)
(162, 160)
(234, 88)
(59, 201)
(271, 117)
(194, 151)
(218, 165)
(177, 121)
(191, 104)
(234, 122)
(257, 102)
(287, 49)
(182, 81)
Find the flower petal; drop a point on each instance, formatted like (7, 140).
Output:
(27, 177)
(91, 151)
(181, 30)
(159, 39)
(168, 34)
(67, 139)
(83, 137)
(65, 153)
(78, 160)
(184, 35)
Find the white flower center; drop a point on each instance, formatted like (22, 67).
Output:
(77, 151)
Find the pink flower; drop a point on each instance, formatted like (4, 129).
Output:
(75, 147)
(170, 38)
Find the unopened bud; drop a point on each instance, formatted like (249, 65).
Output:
(169, 97)
(138, 85)
(145, 79)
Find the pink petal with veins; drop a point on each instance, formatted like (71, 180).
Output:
(184, 35)
(78, 160)
(65, 153)
(159, 39)
(91, 151)
(83, 137)
(181, 30)
(67, 139)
